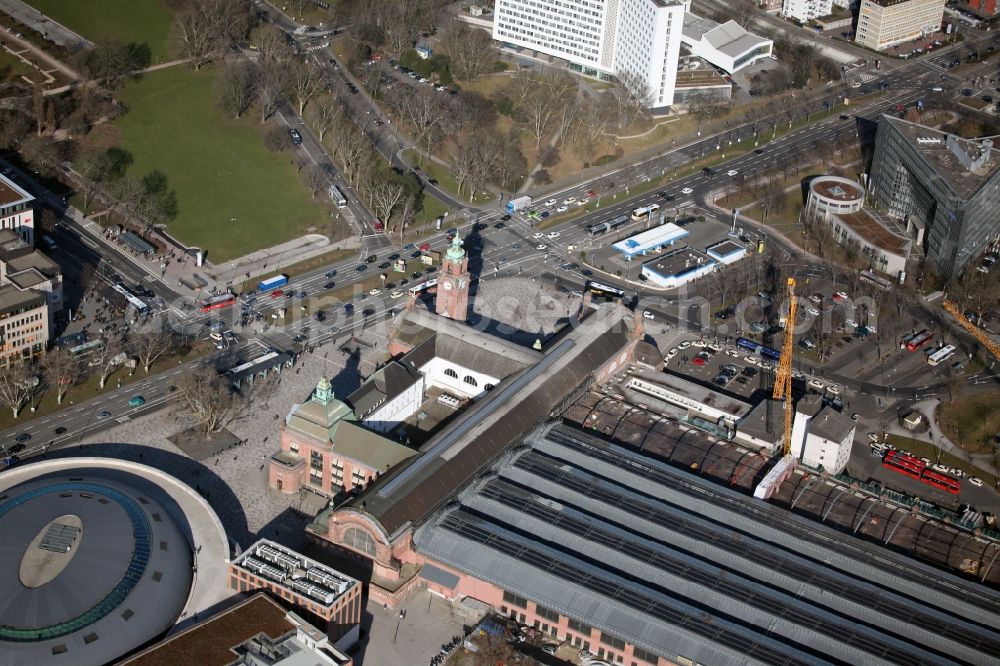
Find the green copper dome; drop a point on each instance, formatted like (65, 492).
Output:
(455, 252)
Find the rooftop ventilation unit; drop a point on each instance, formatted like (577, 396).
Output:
(264, 569)
(277, 557)
(314, 591)
(928, 139)
(326, 579)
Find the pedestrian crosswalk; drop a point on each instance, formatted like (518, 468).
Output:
(865, 77)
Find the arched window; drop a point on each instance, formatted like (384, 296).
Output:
(488, 387)
(360, 540)
(469, 379)
(449, 372)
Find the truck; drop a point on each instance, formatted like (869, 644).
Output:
(272, 283)
(519, 203)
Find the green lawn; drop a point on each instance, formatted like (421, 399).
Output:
(972, 421)
(12, 67)
(218, 166)
(139, 21)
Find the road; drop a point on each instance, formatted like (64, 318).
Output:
(51, 30)
(509, 250)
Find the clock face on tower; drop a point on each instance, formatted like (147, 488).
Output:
(446, 285)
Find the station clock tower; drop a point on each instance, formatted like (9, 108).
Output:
(453, 283)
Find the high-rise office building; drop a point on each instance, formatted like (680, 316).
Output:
(885, 23)
(947, 189)
(637, 41)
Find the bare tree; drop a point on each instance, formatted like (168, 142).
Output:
(425, 110)
(323, 115)
(210, 401)
(305, 82)
(205, 29)
(384, 196)
(471, 50)
(351, 149)
(271, 43)
(238, 86)
(93, 169)
(632, 97)
(315, 177)
(273, 87)
(38, 103)
(62, 371)
(150, 346)
(590, 125)
(17, 384)
(107, 359)
(42, 153)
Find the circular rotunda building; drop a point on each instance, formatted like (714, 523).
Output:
(96, 560)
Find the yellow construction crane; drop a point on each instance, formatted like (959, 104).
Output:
(783, 375)
(984, 339)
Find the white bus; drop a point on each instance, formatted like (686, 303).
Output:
(337, 196)
(644, 213)
(941, 355)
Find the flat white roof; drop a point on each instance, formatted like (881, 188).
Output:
(665, 234)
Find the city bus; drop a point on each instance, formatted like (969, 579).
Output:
(919, 340)
(272, 283)
(605, 292)
(758, 348)
(941, 355)
(941, 481)
(130, 298)
(86, 348)
(337, 196)
(217, 302)
(904, 464)
(601, 228)
(417, 289)
(644, 213)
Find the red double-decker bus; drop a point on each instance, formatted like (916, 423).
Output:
(217, 302)
(941, 481)
(919, 340)
(904, 464)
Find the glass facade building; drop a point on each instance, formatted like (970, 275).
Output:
(949, 187)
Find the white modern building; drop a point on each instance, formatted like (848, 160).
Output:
(726, 46)
(885, 23)
(821, 436)
(651, 240)
(805, 10)
(16, 210)
(637, 41)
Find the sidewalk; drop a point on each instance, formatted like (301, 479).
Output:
(52, 31)
(275, 258)
(41, 54)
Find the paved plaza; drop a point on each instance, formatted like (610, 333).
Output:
(428, 621)
(522, 309)
(235, 481)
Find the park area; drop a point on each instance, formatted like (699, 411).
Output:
(233, 195)
(972, 421)
(139, 21)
